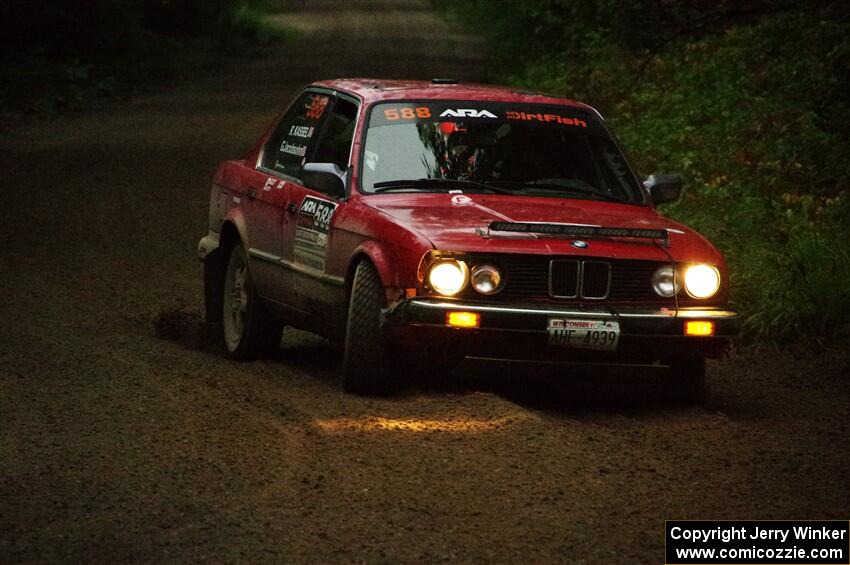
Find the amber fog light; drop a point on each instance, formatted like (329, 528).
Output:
(702, 281)
(448, 277)
(486, 279)
(664, 282)
(463, 319)
(699, 328)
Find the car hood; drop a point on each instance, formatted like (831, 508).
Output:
(459, 222)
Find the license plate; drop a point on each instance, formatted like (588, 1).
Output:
(585, 334)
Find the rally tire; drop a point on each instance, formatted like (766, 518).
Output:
(249, 330)
(687, 380)
(366, 364)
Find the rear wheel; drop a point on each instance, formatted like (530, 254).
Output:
(366, 366)
(687, 380)
(249, 331)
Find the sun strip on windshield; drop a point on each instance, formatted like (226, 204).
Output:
(402, 112)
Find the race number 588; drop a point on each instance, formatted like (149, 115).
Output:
(407, 113)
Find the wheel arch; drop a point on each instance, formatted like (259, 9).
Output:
(381, 259)
(215, 265)
(230, 235)
(215, 262)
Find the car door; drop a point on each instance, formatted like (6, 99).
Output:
(310, 233)
(271, 189)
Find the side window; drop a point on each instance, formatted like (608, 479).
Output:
(334, 145)
(289, 144)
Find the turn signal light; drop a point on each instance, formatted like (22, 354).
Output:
(463, 319)
(699, 328)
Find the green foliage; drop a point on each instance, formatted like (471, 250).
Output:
(747, 99)
(59, 54)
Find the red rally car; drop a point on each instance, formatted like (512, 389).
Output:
(421, 222)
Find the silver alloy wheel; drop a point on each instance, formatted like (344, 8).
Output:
(235, 299)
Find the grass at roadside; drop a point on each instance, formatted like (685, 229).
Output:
(749, 104)
(61, 55)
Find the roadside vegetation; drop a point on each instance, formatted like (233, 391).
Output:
(747, 99)
(61, 54)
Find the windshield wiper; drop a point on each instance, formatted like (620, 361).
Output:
(443, 184)
(566, 188)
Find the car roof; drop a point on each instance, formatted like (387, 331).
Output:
(372, 90)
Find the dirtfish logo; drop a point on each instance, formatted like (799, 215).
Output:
(467, 113)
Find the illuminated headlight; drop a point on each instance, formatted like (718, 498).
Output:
(486, 279)
(448, 277)
(702, 281)
(664, 282)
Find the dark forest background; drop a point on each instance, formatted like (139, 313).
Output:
(748, 99)
(62, 54)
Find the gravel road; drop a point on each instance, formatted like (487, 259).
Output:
(125, 438)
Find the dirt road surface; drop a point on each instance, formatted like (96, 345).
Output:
(117, 445)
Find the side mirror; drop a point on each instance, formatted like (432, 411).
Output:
(327, 178)
(664, 188)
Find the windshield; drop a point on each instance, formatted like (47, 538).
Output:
(533, 150)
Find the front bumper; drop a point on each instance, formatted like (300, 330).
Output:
(519, 331)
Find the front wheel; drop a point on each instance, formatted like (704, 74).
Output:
(687, 380)
(249, 330)
(366, 366)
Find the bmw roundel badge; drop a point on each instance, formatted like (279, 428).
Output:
(579, 244)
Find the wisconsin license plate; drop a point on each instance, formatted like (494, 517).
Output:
(586, 334)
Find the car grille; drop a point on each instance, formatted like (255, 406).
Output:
(563, 279)
(568, 278)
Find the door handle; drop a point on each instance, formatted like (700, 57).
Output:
(252, 193)
(291, 208)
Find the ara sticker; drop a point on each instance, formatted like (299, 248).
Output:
(311, 231)
(467, 113)
(316, 213)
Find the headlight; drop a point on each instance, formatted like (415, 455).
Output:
(664, 282)
(702, 281)
(486, 279)
(448, 277)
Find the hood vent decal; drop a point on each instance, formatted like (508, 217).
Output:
(577, 230)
